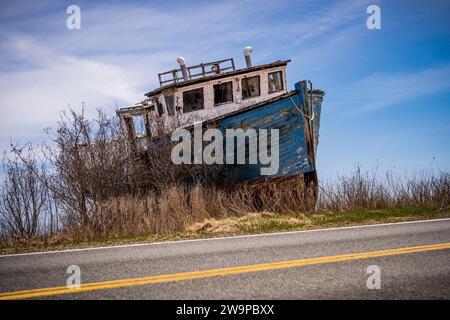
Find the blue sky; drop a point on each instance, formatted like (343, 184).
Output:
(387, 100)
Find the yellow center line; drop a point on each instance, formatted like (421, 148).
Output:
(121, 283)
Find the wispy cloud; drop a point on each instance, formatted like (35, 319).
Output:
(380, 91)
(37, 95)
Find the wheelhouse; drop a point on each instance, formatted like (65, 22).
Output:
(202, 92)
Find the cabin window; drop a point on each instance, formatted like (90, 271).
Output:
(223, 93)
(275, 81)
(250, 87)
(170, 105)
(159, 107)
(193, 100)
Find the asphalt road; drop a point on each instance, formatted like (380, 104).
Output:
(296, 265)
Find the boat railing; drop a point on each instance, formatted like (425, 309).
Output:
(198, 71)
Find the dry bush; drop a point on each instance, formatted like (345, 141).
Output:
(23, 198)
(177, 206)
(172, 209)
(284, 195)
(369, 191)
(96, 178)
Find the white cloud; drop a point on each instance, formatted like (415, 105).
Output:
(37, 95)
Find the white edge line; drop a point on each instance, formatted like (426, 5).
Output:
(223, 238)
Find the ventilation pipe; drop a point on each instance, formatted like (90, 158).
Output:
(183, 67)
(247, 55)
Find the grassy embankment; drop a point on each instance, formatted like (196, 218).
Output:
(251, 223)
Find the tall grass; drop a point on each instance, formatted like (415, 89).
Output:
(175, 207)
(371, 191)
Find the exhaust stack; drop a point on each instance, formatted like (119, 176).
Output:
(247, 55)
(183, 67)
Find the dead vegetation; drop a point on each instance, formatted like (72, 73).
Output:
(88, 184)
(372, 191)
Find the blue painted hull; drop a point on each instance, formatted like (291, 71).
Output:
(297, 116)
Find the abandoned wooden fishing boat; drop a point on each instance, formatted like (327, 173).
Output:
(223, 97)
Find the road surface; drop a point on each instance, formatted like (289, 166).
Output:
(413, 259)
